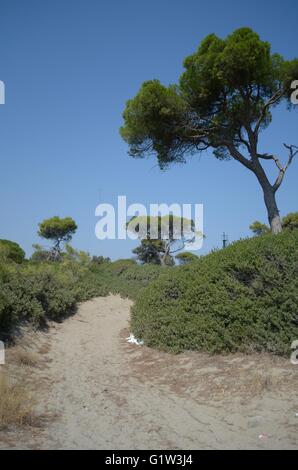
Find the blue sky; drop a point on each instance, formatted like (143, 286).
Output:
(69, 66)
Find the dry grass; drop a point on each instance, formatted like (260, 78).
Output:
(44, 349)
(21, 356)
(261, 383)
(216, 378)
(16, 405)
(16, 402)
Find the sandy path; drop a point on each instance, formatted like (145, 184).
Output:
(108, 394)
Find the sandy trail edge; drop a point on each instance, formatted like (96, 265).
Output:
(108, 394)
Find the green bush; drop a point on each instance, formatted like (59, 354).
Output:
(91, 285)
(121, 265)
(242, 298)
(130, 282)
(290, 221)
(186, 257)
(11, 251)
(34, 294)
(125, 277)
(43, 289)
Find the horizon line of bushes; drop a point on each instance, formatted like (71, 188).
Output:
(242, 298)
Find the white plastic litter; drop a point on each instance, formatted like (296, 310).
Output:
(131, 339)
(296, 414)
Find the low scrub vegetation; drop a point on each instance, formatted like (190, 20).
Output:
(243, 298)
(11, 251)
(34, 293)
(127, 278)
(39, 290)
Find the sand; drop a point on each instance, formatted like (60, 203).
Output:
(96, 391)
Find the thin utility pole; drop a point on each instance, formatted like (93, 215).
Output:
(225, 240)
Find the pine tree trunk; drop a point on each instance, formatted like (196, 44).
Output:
(269, 198)
(163, 260)
(272, 209)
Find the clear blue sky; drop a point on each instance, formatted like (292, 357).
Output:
(70, 65)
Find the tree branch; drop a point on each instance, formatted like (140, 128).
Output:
(243, 141)
(238, 156)
(274, 98)
(293, 151)
(267, 156)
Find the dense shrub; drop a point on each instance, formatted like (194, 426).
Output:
(42, 289)
(125, 277)
(91, 285)
(11, 251)
(186, 257)
(121, 265)
(28, 294)
(243, 298)
(132, 280)
(100, 260)
(40, 254)
(290, 221)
